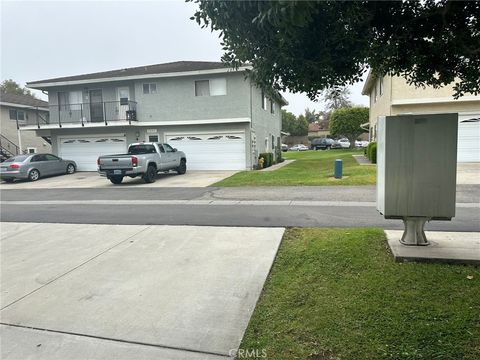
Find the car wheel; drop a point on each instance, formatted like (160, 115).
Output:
(116, 179)
(9, 180)
(70, 169)
(151, 175)
(34, 175)
(182, 169)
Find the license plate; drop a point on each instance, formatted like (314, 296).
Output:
(117, 172)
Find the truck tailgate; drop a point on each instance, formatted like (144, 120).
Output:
(115, 162)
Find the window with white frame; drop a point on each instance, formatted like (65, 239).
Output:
(211, 87)
(272, 107)
(375, 92)
(19, 115)
(264, 101)
(31, 150)
(150, 88)
(381, 86)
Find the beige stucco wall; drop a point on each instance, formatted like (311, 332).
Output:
(399, 98)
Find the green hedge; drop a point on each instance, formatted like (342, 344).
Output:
(372, 152)
(268, 159)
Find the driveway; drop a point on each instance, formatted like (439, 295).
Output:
(123, 292)
(93, 180)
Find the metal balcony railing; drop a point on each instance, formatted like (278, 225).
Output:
(85, 113)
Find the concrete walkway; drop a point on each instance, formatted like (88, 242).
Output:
(278, 166)
(124, 292)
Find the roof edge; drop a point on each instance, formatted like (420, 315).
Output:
(43, 84)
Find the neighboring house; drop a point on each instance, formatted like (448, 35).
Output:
(317, 130)
(216, 115)
(393, 96)
(21, 110)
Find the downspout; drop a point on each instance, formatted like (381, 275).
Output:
(252, 157)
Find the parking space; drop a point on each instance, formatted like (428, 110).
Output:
(93, 180)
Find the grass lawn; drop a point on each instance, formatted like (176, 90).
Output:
(310, 168)
(338, 294)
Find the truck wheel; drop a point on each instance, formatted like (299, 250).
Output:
(182, 169)
(116, 179)
(151, 175)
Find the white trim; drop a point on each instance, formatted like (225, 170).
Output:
(202, 132)
(23, 106)
(147, 135)
(139, 124)
(434, 100)
(30, 148)
(60, 137)
(136, 77)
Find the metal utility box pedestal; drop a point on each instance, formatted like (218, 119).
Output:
(416, 170)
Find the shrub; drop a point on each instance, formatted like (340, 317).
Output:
(268, 159)
(278, 156)
(372, 152)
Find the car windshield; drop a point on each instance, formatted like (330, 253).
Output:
(19, 158)
(141, 149)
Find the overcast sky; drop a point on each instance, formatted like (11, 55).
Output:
(46, 39)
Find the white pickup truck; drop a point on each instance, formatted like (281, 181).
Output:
(142, 159)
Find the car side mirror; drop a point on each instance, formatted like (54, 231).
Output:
(175, 150)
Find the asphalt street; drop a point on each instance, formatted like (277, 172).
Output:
(263, 207)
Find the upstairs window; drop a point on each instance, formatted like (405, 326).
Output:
(264, 101)
(19, 115)
(381, 86)
(150, 88)
(211, 87)
(202, 88)
(272, 107)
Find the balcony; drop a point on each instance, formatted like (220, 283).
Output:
(87, 114)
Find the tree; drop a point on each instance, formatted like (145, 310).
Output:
(293, 125)
(12, 87)
(336, 97)
(346, 122)
(311, 116)
(308, 46)
(301, 126)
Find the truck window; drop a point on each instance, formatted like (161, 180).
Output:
(160, 146)
(168, 148)
(141, 149)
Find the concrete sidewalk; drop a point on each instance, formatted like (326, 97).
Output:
(94, 181)
(123, 292)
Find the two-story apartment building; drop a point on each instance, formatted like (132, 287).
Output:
(21, 110)
(391, 95)
(216, 115)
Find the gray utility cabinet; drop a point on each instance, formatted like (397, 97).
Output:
(417, 166)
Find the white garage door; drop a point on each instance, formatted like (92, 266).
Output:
(85, 150)
(224, 151)
(468, 138)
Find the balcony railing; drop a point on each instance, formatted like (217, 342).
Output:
(86, 113)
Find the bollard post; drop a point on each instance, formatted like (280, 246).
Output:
(338, 169)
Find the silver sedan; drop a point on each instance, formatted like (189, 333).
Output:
(34, 166)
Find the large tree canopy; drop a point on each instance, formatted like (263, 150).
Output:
(293, 125)
(12, 87)
(347, 121)
(307, 46)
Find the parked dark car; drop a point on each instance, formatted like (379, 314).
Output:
(321, 144)
(34, 166)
